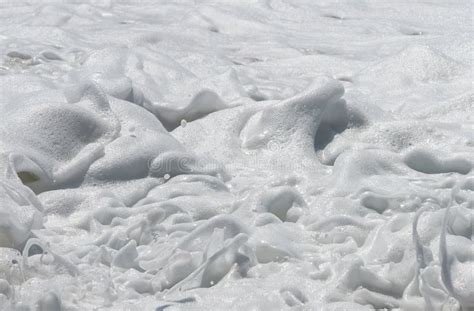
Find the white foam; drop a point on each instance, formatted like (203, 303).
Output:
(224, 155)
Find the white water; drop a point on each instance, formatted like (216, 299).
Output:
(236, 155)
